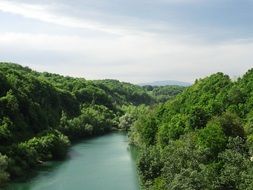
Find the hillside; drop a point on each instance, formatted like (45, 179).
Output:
(41, 113)
(166, 83)
(201, 139)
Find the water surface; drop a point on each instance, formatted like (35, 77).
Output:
(102, 163)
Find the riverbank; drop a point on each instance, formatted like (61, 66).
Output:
(106, 162)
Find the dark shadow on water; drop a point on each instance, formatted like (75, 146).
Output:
(133, 152)
(44, 169)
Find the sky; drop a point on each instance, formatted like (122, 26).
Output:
(129, 40)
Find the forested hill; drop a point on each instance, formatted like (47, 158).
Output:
(202, 139)
(40, 113)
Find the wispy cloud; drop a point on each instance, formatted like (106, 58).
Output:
(46, 13)
(138, 48)
(54, 13)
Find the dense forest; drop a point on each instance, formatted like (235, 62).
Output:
(200, 139)
(42, 113)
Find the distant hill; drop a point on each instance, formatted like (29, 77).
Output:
(165, 83)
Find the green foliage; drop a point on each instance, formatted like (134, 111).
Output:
(150, 163)
(6, 126)
(40, 112)
(50, 145)
(198, 118)
(212, 137)
(53, 145)
(134, 113)
(4, 176)
(164, 93)
(93, 120)
(203, 137)
(179, 156)
(236, 170)
(159, 183)
(231, 124)
(32, 103)
(172, 130)
(126, 121)
(125, 93)
(200, 139)
(147, 128)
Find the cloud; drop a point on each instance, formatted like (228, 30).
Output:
(56, 13)
(130, 58)
(136, 49)
(182, 1)
(46, 13)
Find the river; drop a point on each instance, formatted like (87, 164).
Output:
(101, 163)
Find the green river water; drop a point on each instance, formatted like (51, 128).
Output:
(101, 163)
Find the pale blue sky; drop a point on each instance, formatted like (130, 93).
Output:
(133, 40)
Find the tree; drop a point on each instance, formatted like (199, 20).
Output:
(212, 137)
(126, 121)
(4, 176)
(231, 124)
(147, 127)
(198, 118)
(172, 130)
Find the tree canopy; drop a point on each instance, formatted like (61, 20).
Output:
(40, 113)
(201, 139)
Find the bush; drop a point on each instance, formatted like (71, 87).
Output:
(4, 176)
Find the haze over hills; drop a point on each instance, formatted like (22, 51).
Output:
(165, 83)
